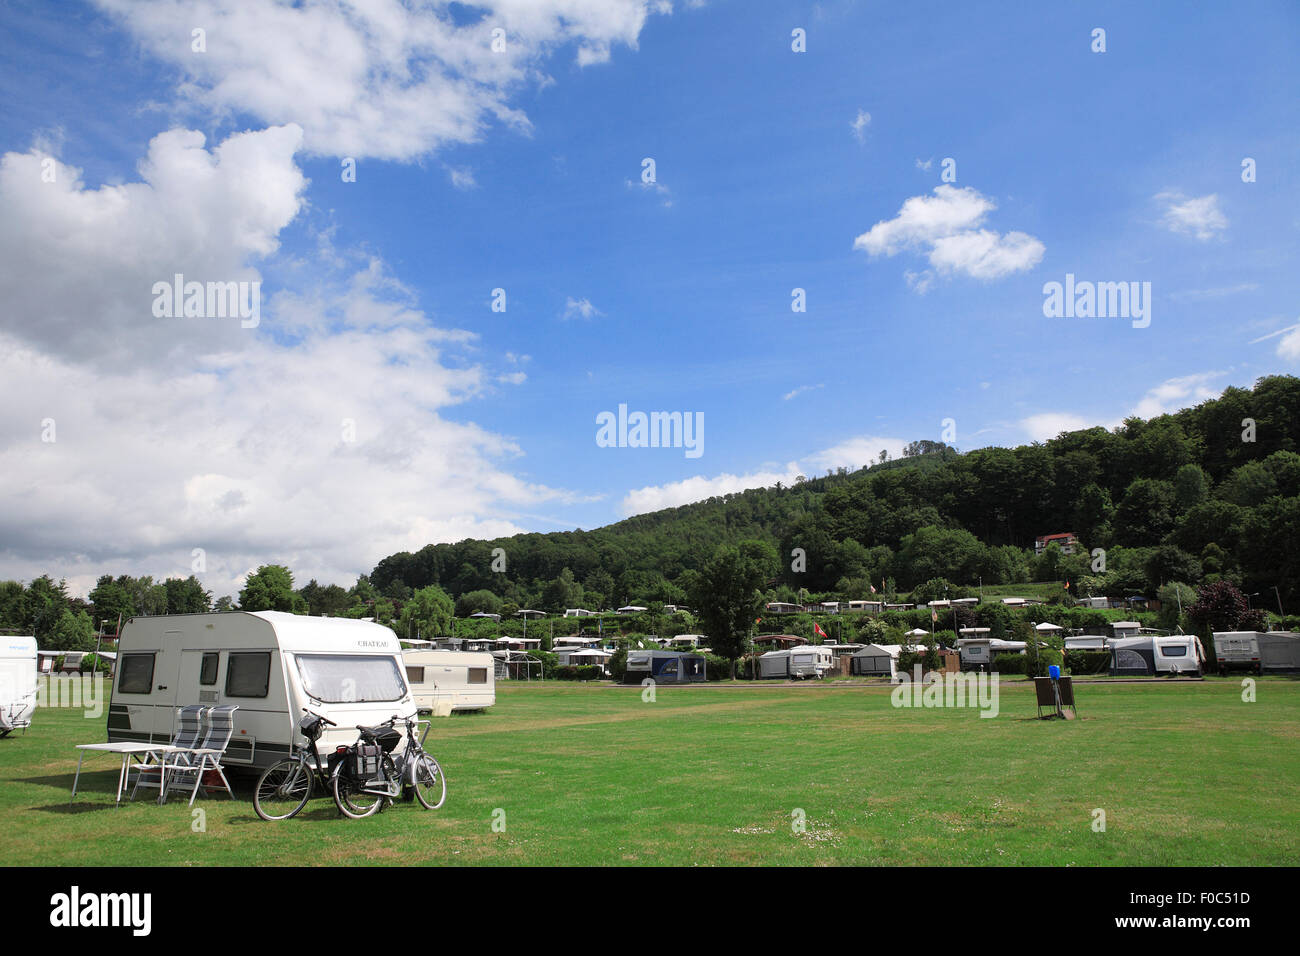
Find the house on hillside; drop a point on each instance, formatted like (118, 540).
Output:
(1067, 541)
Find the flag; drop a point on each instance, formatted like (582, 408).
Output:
(758, 620)
(1067, 585)
(873, 588)
(934, 616)
(818, 628)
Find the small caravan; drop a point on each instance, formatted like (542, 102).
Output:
(811, 660)
(1148, 654)
(444, 681)
(979, 653)
(17, 683)
(1258, 651)
(269, 663)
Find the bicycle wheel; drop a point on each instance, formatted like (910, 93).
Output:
(352, 800)
(429, 782)
(282, 790)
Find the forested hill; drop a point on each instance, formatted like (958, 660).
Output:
(1207, 492)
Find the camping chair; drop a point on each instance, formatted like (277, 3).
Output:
(207, 757)
(187, 736)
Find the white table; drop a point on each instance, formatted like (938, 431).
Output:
(127, 750)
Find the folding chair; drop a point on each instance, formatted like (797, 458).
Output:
(187, 735)
(200, 760)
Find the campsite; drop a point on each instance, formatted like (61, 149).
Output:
(712, 774)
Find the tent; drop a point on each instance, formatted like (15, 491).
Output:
(876, 660)
(664, 667)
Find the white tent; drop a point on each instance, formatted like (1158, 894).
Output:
(1046, 628)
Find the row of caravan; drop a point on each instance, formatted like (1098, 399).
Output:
(273, 665)
(17, 683)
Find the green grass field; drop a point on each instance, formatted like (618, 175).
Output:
(1186, 773)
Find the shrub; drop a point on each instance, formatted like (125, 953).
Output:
(1087, 662)
(1010, 663)
(717, 667)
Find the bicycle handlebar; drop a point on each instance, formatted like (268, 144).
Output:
(319, 717)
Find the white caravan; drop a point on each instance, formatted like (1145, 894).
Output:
(269, 663)
(812, 660)
(17, 683)
(443, 681)
(1258, 651)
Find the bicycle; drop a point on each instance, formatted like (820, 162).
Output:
(284, 788)
(371, 775)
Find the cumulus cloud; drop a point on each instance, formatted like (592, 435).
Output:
(1192, 216)
(318, 438)
(853, 453)
(81, 262)
(382, 79)
(946, 227)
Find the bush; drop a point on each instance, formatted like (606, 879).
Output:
(617, 665)
(1087, 662)
(717, 667)
(1010, 663)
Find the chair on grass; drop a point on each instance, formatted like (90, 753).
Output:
(191, 727)
(197, 762)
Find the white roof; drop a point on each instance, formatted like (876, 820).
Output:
(1125, 624)
(1045, 626)
(916, 632)
(630, 608)
(298, 632)
(17, 647)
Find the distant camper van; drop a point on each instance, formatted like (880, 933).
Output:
(451, 680)
(17, 683)
(268, 663)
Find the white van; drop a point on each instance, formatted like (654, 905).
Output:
(17, 683)
(269, 663)
(1258, 651)
(455, 680)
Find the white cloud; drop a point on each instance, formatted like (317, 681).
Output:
(1198, 216)
(462, 177)
(382, 79)
(1176, 393)
(580, 308)
(853, 453)
(945, 226)
(1289, 347)
(80, 263)
(1169, 396)
(317, 439)
(860, 124)
(800, 390)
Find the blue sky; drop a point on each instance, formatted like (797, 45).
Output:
(1115, 166)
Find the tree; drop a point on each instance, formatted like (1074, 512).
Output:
(270, 588)
(186, 596)
(1218, 607)
(72, 632)
(475, 602)
(428, 613)
(729, 594)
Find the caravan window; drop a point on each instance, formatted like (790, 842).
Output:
(478, 675)
(135, 674)
(415, 675)
(340, 679)
(208, 669)
(248, 675)
(1171, 651)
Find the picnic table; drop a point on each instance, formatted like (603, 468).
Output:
(128, 750)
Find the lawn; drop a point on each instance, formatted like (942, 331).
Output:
(1187, 773)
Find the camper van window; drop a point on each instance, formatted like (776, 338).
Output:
(339, 679)
(1174, 651)
(136, 674)
(477, 675)
(208, 669)
(248, 675)
(415, 675)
